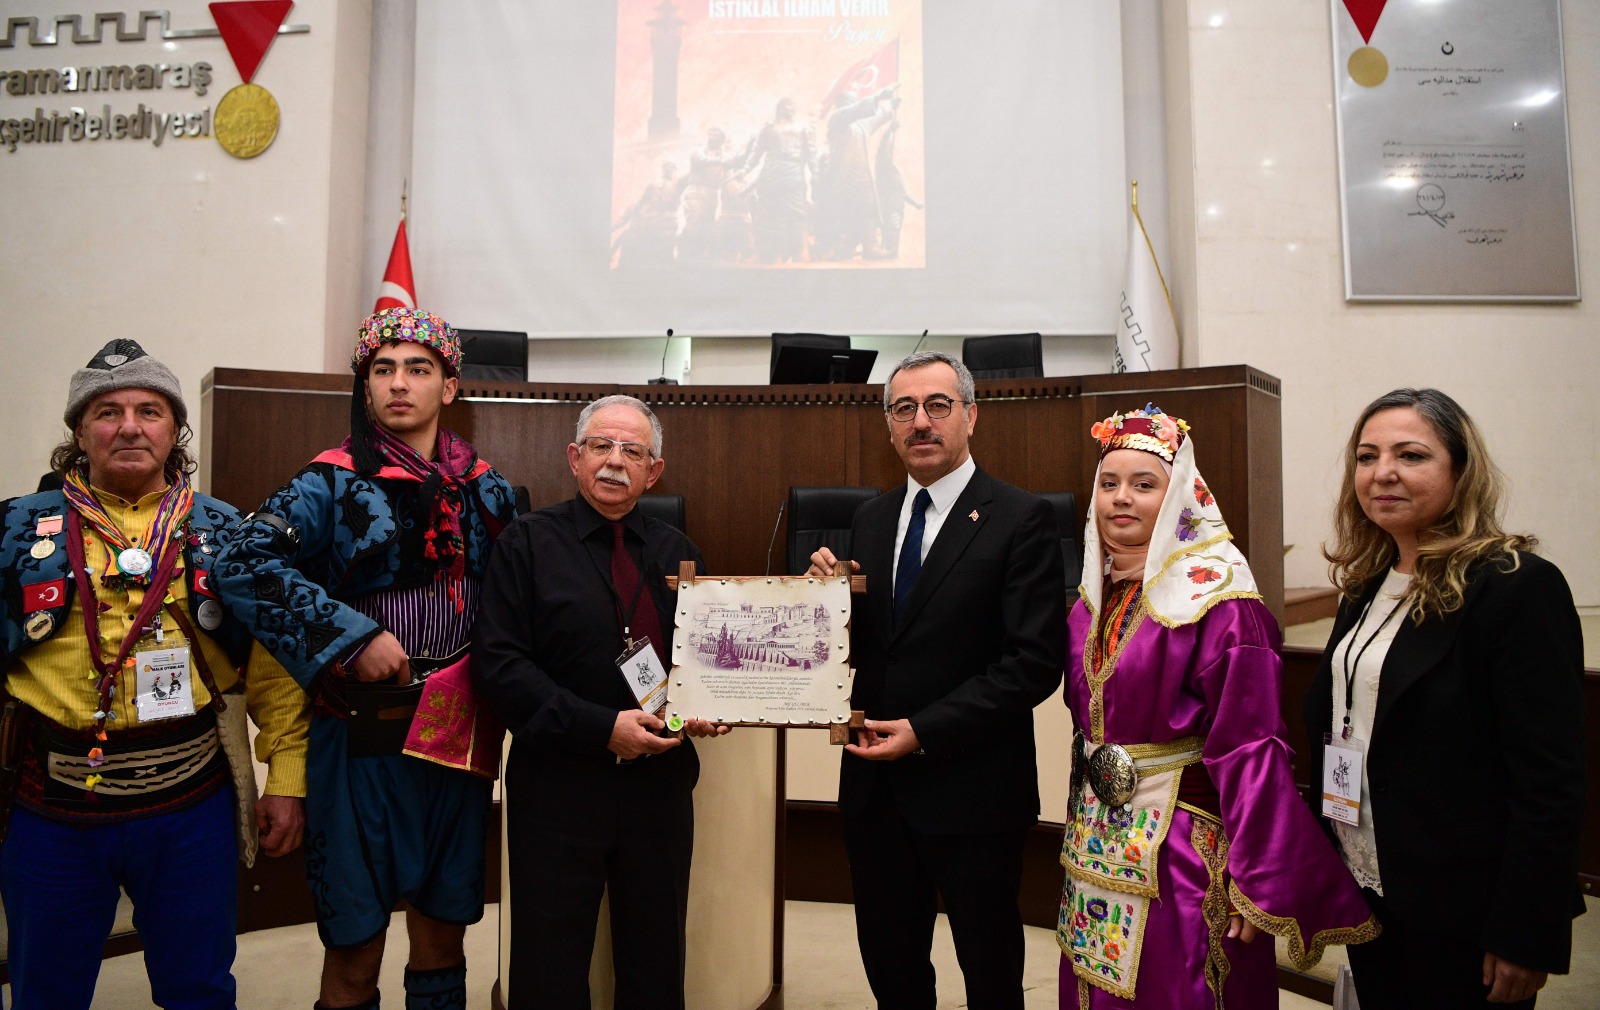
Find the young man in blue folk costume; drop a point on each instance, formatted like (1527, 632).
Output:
(361, 575)
(123, 743)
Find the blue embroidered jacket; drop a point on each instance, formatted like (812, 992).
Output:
(352, 535)
(26, 582)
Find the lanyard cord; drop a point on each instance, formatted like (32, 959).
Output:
(1349, 668)
(154, 594)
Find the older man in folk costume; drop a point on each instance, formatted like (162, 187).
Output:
(1186, 834)
(128, 754)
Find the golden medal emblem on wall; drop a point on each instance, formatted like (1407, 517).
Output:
(247, 120)
(247, 116)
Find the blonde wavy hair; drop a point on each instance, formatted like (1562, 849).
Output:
(1466, 535)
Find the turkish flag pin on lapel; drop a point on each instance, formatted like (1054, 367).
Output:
(973, 515)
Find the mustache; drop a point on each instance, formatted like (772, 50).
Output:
(616, 474)
(924, 438)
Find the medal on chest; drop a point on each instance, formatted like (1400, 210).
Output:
(134, 561)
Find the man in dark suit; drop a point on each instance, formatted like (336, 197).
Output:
(960, 635)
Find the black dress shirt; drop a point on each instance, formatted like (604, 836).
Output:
(549, 628)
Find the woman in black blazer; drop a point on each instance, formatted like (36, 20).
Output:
(1447, 713)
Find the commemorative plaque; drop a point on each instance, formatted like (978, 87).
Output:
(764, 651)
(1454, 160)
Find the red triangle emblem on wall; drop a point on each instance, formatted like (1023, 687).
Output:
(1365, 13)
(248, 27)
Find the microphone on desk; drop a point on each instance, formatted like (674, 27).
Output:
(919, 342)
(662, 379)
(773, 542)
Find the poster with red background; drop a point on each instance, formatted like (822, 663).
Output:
(768, 134)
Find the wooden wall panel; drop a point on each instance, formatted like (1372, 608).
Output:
(733, 451)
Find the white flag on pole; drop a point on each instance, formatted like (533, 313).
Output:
(1147, 336)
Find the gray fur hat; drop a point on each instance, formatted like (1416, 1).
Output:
(122, 364)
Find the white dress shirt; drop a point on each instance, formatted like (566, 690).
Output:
(943, 493)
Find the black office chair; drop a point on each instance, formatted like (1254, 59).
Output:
(494, 355)
(781, 340)
(666, 507)
(1008, 356)
(820, 517)
(1065, 504)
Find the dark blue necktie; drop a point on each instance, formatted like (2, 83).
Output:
(905, 573)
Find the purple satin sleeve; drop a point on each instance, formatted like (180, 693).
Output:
(1280, 860)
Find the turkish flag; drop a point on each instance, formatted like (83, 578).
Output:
(399, 291)
(867, 76)
(44, 595)
(202, 583)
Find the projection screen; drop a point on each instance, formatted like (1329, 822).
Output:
(731, 167)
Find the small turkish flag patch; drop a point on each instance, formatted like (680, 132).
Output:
(44, 595)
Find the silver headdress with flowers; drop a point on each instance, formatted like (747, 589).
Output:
(1192, 563)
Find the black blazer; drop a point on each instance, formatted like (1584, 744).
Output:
(980, 644)
(1476, 763)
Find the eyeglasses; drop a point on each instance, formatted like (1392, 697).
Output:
(600, 447)
(936, 407)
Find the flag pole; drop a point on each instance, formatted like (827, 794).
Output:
(398, 288)
(1151, 246)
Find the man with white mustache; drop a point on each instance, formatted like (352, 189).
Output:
(596, 798)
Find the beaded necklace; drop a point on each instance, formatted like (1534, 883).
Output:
(164, 538)
(1117, 617)
(161, 540)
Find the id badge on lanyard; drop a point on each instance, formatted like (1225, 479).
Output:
(163, 688)
(1342, 758)
(642, 669)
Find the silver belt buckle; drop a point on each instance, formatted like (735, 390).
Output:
(1112, 775)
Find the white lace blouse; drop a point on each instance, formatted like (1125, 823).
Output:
(1359, 655)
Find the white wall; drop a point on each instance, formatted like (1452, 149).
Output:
(203, 258)
(1251, 131)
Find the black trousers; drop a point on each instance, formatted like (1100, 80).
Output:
(1412, 967)
(899, 874)
(577, 829)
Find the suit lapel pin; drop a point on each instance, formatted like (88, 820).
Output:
(973, 515)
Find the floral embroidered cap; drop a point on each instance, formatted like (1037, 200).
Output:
(388, 326)
(1192, 562)
(1147, 428)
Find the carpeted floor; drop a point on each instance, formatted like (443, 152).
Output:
(277, 969)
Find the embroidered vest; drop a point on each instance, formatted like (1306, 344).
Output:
(31, 585)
